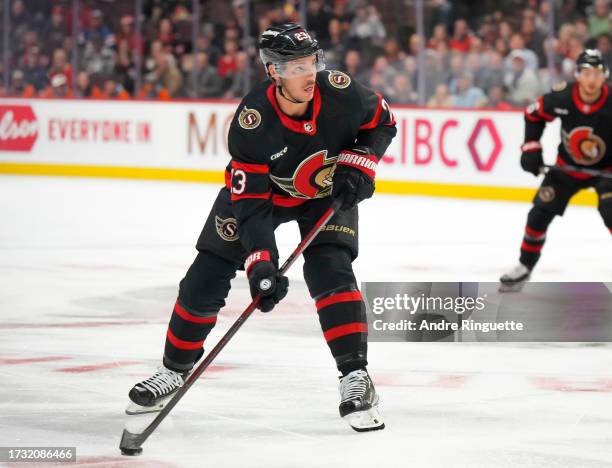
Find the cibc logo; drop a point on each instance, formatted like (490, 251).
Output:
(18, 128)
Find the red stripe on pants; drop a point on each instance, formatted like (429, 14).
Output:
(343, 330)
(180, 344)
(339, 297)
(181, 312)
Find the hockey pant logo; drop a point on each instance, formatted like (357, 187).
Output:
(227, 228)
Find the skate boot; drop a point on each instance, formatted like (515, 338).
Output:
(150, 395)
(359, 402)
(514, 280)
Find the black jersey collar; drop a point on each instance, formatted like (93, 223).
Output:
(589, 107)
(308, 127)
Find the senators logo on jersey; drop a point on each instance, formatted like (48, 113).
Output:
(584, 146)
(312, 178)
(227, 228)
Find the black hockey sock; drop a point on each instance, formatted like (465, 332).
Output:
(343, 321)
(185, 337)
(534, 238)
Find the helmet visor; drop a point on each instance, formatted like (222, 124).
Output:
(303, 66)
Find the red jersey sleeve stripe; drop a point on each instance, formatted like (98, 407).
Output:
(181, 344)
(181, 312)
(372, 123)
(541, 111)
(347, 329)
(252, 168)
(243, 196)
(532, 118)
(339, 297)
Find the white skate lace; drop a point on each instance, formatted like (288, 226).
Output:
(163, 382)
(353, 385)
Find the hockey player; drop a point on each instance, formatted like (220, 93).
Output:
(297, 141)
(585, 110)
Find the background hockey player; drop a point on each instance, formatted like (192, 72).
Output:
(290, 138)
(585, 110)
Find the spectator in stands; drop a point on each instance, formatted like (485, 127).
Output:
(468, 95)
(204, 44)
(496, 98)
(335, 47)
(34, 69)
(604, 44)
(367, 28)
(239, 78)
(165, 34)
(457, 68)
(352, 63)
(441, 97)
(124, 70)
(521, 81)
(60, 66)
(599, 19)
(97, 29)
(492, 74)
(401, 92)
(439, 36)
(460, 42)
(55, 31)
(98, 57)
(534, 39)
(112, 90)
(318, 16)
(517, 44)
(166, 75)
(21, 20)
(83, 85)
(58, 88)
(19, 87)
(228, 63)
(392, 53)
(208, 81)
(128, 34)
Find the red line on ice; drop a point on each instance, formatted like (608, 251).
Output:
(12, 361)
(95, 367)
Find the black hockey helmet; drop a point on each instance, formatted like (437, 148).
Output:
(281, 44)
(591, 58)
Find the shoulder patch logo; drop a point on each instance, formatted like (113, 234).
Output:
(227, 228)
(249, 118)
(559, 86)
(338, 79)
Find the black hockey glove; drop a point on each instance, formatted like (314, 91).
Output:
(354, 176)
(531, 157)
(264, 279)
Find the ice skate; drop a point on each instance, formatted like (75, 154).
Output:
(150, 395)
(359, 402)
(514, 280)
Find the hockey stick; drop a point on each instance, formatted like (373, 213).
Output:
(605, 175)
(131, 444)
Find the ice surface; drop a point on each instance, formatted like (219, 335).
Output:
(89, 273)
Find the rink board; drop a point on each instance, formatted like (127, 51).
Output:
(437, 152)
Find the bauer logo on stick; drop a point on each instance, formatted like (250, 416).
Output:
(338, 79)
(249, 118)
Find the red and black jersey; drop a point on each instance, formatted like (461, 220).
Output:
(281, 161)
(586, 128)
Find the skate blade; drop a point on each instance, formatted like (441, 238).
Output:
(511, 287)
(134, 409)
(364, 421)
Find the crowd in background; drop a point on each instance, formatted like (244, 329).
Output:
(497, 54)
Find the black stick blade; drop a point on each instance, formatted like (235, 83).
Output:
(130, 443)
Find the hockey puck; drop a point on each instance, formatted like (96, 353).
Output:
(131, 452)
